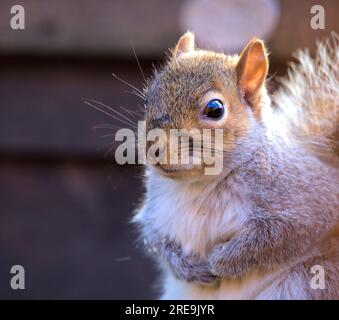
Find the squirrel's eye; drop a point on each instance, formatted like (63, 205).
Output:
(214, 109)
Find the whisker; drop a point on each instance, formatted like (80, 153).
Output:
(113, 134)
(139, 114)
(130, 112)
(111, 109)
(128, 84)
(138, 62)
(106, 127)
(142, 108)
(135, 93)
(108, 114)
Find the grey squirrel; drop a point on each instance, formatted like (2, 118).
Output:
(255, 230)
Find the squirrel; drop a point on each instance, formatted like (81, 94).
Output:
(256, 230)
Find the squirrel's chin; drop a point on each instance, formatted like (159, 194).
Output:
(179, 171)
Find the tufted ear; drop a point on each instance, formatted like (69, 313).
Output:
(252, 69)
(184, 45)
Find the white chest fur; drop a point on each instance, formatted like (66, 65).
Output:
(196, 215)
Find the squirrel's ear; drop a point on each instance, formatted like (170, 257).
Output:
(184, 45)
(252, 69)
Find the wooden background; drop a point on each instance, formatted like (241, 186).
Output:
(64, 205)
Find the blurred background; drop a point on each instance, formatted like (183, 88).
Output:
(65, 206)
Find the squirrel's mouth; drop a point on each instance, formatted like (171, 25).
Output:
(179, 170)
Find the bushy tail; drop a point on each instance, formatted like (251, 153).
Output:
(309, 98)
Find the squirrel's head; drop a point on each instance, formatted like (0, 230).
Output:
(198, 89)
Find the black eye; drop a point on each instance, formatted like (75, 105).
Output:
(214, 109)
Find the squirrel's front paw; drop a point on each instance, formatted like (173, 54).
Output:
(228, 260)
(187, 267)
(193, 269)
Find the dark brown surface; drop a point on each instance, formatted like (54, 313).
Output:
(42, 109)
(92, 27)
(68, 225)
(65, 207)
